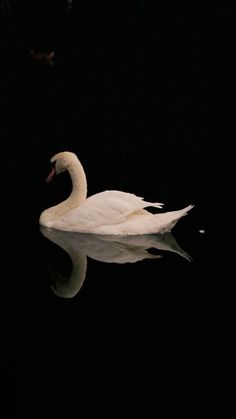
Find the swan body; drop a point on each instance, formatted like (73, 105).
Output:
(109, 212)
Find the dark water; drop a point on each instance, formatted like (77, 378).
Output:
(145, 116)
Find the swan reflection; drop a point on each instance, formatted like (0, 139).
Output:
(103, 248)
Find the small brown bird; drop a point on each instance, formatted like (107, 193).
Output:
(43, 57)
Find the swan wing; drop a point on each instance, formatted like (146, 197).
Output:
(107, 208)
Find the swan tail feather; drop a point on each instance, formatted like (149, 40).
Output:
(180, 213)
(170, 219)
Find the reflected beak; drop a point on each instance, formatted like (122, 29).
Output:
(51, 175)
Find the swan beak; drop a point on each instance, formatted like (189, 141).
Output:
(51, 175)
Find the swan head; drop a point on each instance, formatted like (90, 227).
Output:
(61, 162)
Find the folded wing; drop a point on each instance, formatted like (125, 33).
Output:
(107, 208)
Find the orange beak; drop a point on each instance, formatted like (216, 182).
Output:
(51, 175)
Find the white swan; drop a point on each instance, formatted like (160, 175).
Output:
(109, 212)
(103, 248)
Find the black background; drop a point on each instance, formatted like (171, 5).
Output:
(143, 96)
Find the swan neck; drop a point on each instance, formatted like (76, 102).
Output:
(79, 183)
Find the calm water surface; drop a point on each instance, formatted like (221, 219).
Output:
(83, 318)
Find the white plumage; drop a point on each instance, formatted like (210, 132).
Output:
(109, 212)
